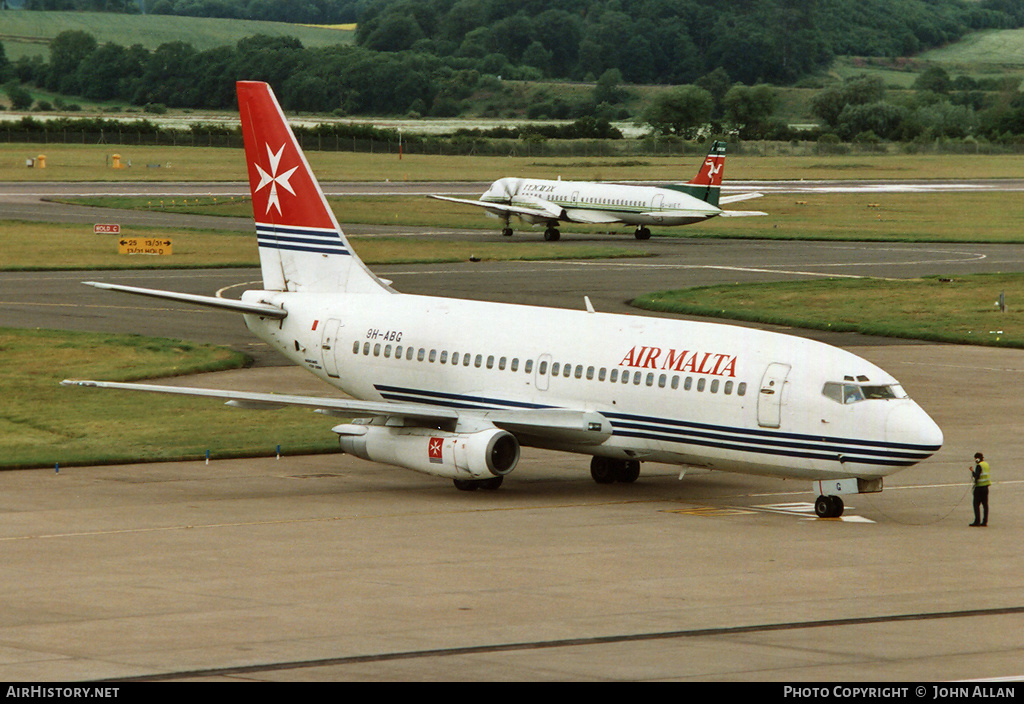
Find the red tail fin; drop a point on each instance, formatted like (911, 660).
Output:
(284, 190)
(710, 173)
(301, 245)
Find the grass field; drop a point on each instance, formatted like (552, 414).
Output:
(94, 426)
(29, 33)
(890, 217)
(43, 246)
(82, 162)
(988, 50)
(959, 310)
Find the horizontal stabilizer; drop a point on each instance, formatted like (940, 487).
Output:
(740, 213)
(261, 309)
(736, 198)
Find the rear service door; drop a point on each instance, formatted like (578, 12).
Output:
(328, 343)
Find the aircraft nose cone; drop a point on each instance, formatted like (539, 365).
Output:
(908, 424)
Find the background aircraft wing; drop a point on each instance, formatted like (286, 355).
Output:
(563, 424)
(537, 207)
(592, 217)
(681, 213)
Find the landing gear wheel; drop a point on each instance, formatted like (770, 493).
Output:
(492, 484)
(628, 472)
(828, 507)
(602, 469)
(605, 470)
(837, 506)
(506, 232)
(552, 234)
(473, 484)
(642, 233)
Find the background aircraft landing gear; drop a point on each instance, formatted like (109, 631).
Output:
(642, 233)
(552, 234)
(606, 470)
(828, 507)
(506, 232)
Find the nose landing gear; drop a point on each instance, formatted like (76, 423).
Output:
(828, 507)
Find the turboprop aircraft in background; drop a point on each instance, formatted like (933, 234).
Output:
(453, 388)
(538, 201)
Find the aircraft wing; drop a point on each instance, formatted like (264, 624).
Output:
(591, 217)
(538, 207)
(563, 424)
(681, 213)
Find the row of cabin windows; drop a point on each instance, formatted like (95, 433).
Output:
(603, 201)
(620, 201)
(613, 376)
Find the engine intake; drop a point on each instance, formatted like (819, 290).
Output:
(479, 455)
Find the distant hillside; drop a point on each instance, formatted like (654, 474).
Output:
(990, 50)
(26, 33)
(675, 41)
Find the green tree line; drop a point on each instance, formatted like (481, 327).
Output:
(647, 41)
(674, 41)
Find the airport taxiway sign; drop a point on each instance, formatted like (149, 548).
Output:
(144, 245)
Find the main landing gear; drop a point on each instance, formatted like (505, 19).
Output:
(828, 507)
(552, 234)
(642, 233)
(490, 484)
(606, 470)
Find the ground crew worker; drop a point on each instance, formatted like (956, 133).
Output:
(982, 480)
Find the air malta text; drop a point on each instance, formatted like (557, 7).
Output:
(708, 363)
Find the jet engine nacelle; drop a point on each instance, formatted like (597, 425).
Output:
(478, 455)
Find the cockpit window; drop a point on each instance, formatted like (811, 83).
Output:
(853, 393)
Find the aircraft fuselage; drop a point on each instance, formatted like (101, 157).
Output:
(591, 202)
(680, 392)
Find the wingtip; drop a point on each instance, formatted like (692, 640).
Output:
(77, 382)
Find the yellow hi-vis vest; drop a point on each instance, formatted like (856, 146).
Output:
(984, 479)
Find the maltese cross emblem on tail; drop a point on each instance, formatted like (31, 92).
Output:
(274, 179)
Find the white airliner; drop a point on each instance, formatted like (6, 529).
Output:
(542, 202)
(454, 388)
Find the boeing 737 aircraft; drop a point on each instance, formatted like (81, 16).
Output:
(541, 202)
(453, 388)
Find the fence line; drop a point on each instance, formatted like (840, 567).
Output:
(529, 147)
